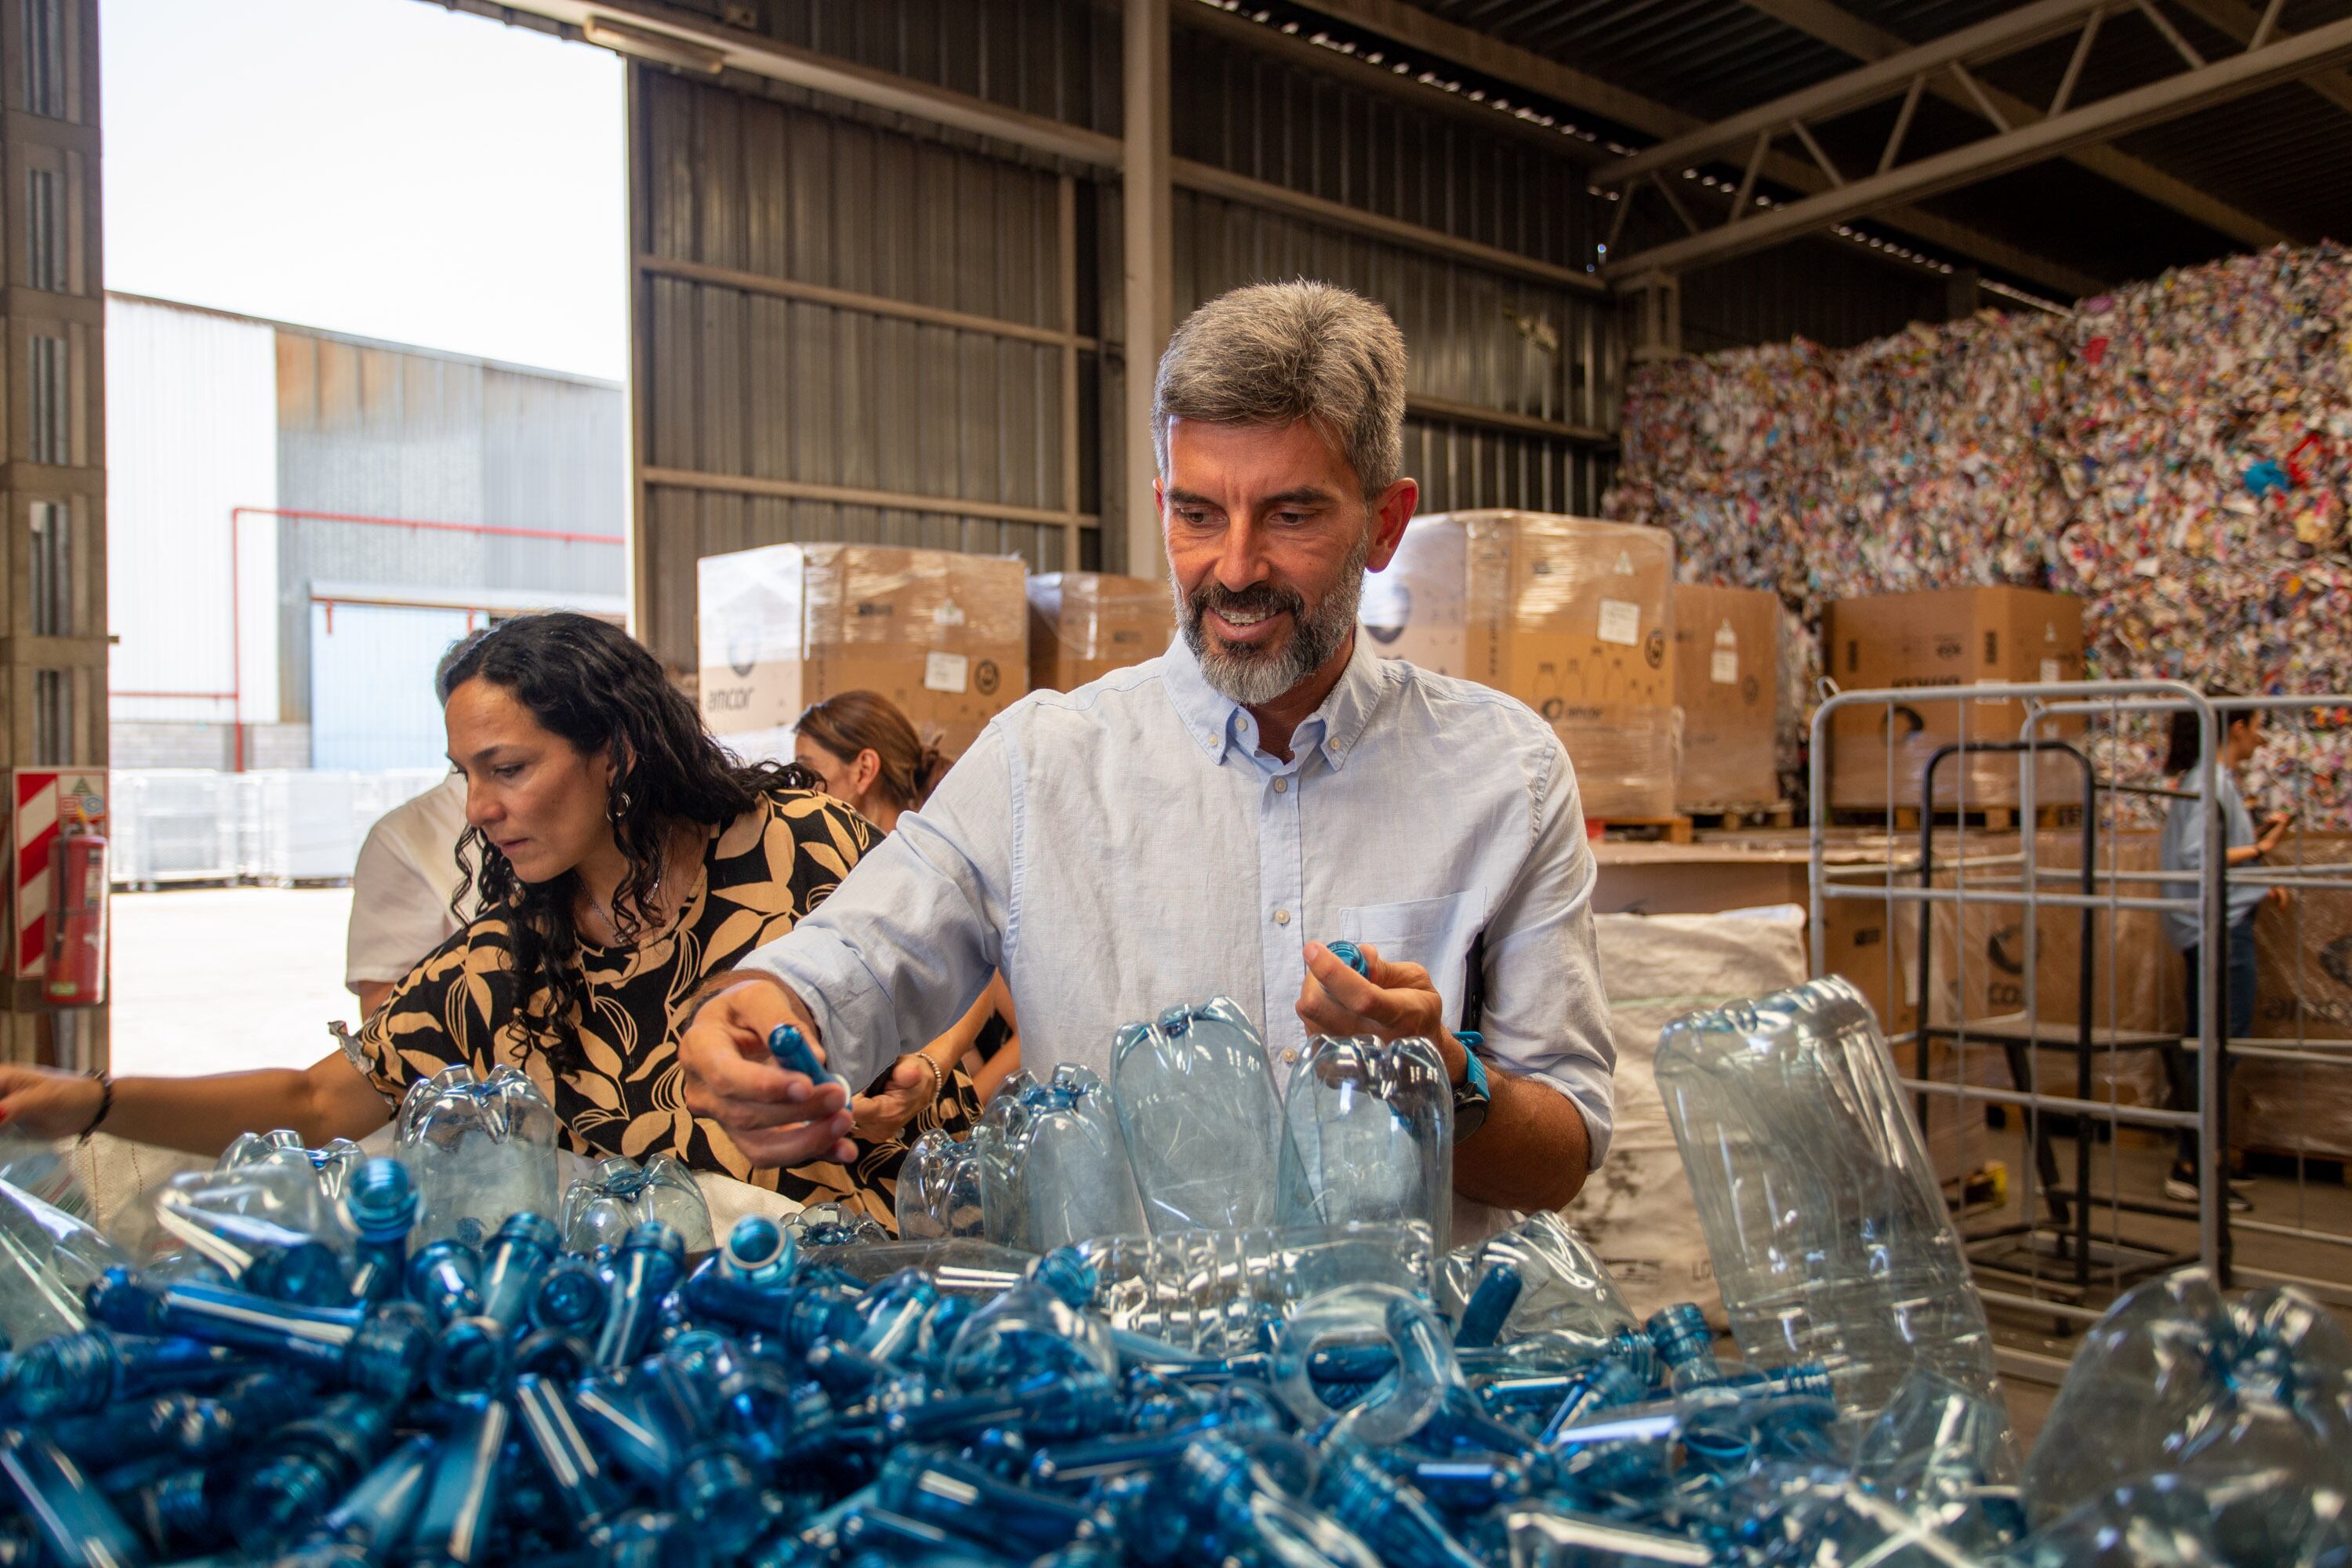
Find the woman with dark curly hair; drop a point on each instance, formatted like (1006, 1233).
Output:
(635, 862)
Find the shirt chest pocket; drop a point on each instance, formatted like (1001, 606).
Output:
(1435, 933)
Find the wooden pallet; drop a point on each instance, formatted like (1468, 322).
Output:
(1779, 814)
(1991, 818)
(1667, 829)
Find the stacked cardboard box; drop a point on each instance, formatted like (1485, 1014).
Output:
(941, 634)
(1084, 625)
(2303, 993)
(1573, 618)
(1957, 636)
(1728, 683)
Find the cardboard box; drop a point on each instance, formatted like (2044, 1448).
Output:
(1728, 683)
(2303, 990)
(1084, 625)
(1957, 636)
(941, 634)
(1573, 618)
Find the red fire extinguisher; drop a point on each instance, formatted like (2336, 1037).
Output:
(77, 976)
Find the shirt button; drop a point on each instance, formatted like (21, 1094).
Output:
(1282, 785)
(1282, 917)
(1290, 1053)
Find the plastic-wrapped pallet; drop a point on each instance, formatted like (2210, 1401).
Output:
(1573, 618)
(942, 634)
(1636, 1210)
(1084, 625)
(2303, 991)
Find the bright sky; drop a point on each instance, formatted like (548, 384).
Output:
(381, 167)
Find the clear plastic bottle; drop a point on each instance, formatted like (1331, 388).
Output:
(1072, 1179)
(1213, 1291)
(38, 1169)
(599, 1208)
(2179, 1382)
(1369, 1135)
(480, 1149)
(48, 1259)
(941, 1194)
(1202, 1122)
(1828, 1232)
(1562, 1285)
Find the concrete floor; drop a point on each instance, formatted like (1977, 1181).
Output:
(224, 979)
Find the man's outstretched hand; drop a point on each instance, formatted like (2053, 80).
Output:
(777, 1117)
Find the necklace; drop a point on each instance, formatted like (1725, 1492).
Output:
(605, 911)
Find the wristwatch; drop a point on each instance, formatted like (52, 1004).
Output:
(1470, 1099)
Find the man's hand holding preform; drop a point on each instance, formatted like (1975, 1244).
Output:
(1393, 1002)
(776, 1117)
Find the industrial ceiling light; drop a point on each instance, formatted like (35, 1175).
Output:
(645, 44)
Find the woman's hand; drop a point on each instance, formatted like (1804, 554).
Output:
(42, 1102)
(1393, 1002)
(912, 1083)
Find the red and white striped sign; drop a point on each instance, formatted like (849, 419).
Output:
(48, 800)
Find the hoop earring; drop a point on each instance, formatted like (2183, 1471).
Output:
(617, 808)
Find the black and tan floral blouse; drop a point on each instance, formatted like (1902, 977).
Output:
(759, 875)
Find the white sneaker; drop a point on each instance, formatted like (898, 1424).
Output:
(2182, 1190)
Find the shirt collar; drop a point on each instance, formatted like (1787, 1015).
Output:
(1218, 724)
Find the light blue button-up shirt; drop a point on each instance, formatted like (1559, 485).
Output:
(1126, 847)
(2182, 848)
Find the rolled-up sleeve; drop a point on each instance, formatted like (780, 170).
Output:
(1546, 1016)
(902, 949)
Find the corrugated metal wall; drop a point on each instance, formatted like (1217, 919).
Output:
(377, 430)
(740, 383)
(1476, 338)
(190, 396)
(1815, 289)
(736, 382)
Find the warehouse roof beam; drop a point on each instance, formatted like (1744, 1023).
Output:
(1872, 83)
(1504, 62)
(2278, 60)
(1821, 20)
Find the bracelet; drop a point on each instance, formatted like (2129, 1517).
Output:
(939, 1078)
(105, 1104)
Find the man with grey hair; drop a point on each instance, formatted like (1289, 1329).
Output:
(1191, 825)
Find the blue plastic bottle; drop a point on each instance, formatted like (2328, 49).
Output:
(518, 1256)
(791, 1048)
(379, 1352)
(455, 1524)
(647, 1267)
(76, 1524)
(381, 1206)
(444, 1278)
(305, 1467)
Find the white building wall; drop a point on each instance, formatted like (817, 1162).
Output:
(191, 433)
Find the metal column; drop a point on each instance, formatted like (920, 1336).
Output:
(1147, 209)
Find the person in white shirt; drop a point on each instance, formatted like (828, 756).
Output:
(402, 888)
(1194, 825)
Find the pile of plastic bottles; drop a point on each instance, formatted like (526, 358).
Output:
(313, 1357)
(818, 1394)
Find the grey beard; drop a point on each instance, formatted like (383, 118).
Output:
(1253, 678)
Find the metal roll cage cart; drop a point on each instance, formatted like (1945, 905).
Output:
(2056, 1228)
